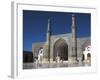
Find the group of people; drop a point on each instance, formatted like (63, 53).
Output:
(87, 54)
(39, 58)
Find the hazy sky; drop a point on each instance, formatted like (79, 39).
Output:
(35, 25)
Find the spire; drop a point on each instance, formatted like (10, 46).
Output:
(49, 27)
(48, 30)
(73, 21)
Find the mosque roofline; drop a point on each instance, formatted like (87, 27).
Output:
(43, 42)
(69, 34)
(88, 37)
(61, 34)
(35, 43)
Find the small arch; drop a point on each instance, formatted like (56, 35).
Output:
(88, 56)
(83, 57)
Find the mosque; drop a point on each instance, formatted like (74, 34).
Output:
(67, 47)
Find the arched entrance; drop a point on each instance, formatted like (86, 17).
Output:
(60, 49)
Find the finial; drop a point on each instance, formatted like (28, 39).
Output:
(73, 15)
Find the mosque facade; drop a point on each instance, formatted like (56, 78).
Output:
(68, 47)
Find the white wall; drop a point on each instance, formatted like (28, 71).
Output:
(5, 41)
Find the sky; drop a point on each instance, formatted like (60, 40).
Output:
(35, 25)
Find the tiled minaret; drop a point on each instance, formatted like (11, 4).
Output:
(48, 38)
(74, 37)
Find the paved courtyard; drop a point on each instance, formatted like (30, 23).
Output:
(53, 65)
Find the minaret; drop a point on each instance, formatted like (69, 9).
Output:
(74, 37)
(48, 38)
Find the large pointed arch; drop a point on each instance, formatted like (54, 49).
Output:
(60, 49)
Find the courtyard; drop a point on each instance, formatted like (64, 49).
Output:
(54, 65)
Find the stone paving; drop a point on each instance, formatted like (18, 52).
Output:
(53, 65)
